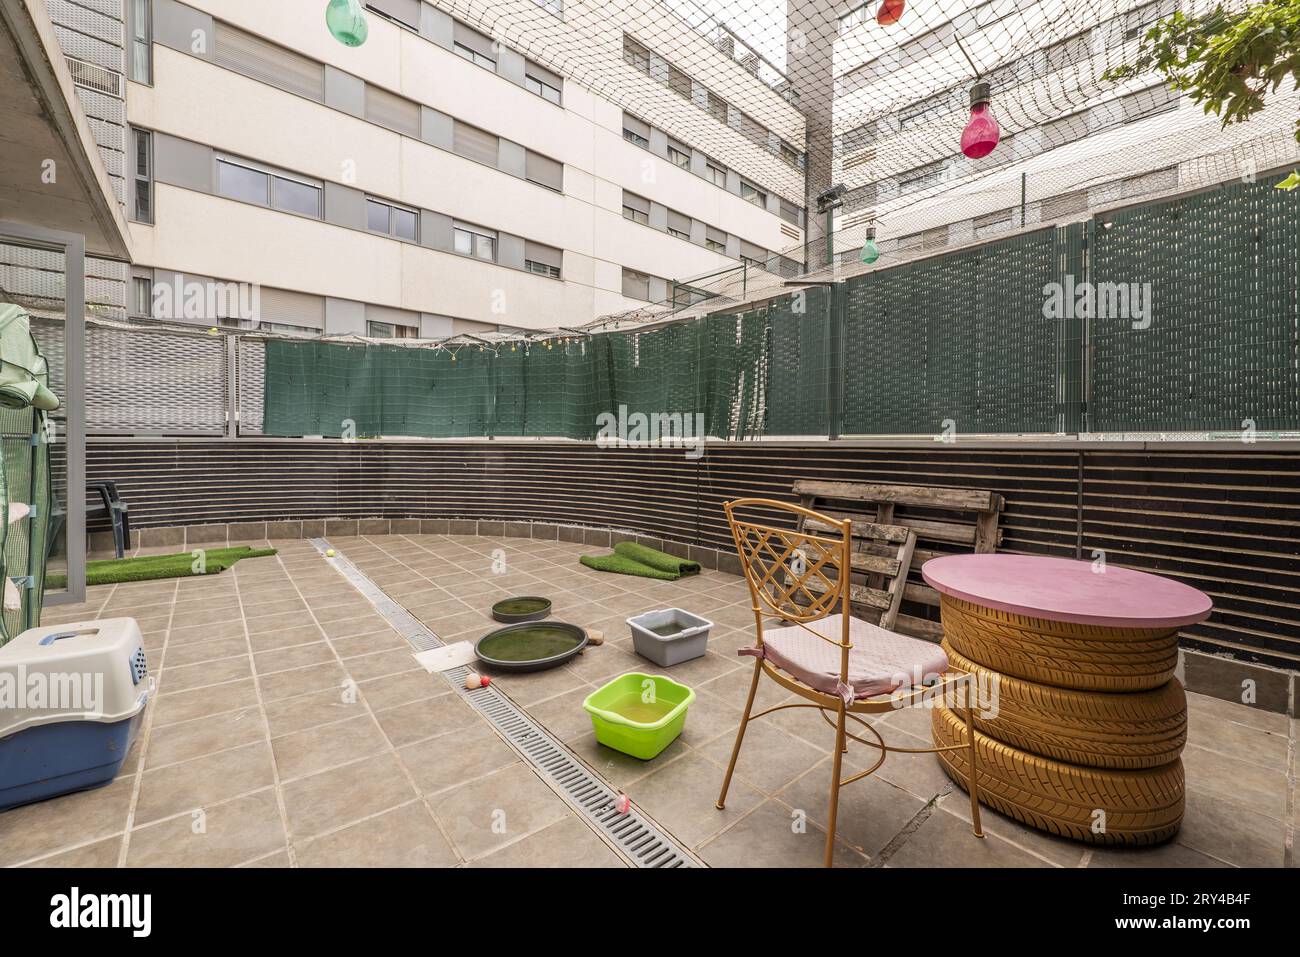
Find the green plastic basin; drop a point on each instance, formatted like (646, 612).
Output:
(639, 714)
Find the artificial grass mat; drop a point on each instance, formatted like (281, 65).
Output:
(152, 567)
(629, 558)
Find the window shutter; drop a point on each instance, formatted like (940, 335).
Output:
(638, 127)
(680, 223)
(403, 11)
(475, 144)
(715, 235)
(254, 57)
(539, 72)
(544, 170)
(393, 111)
(476, 41)
(536, 252)
(292, 308)
(638, 203)
(394, 317)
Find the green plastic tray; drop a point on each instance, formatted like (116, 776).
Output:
(639, 714)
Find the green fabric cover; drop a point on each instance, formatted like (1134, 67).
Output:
(23, 370)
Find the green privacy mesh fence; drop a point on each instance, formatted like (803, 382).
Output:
(25, 479)
(1214, 348)
(1173, 316)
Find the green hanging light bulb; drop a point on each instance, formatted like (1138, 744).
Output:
(347, 22)
(870, 252)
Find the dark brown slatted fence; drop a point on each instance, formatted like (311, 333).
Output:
(1225, 521)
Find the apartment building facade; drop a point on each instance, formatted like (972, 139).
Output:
(1070, 143)
(433, 181)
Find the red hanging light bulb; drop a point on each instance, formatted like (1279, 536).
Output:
(890, 12)
(982, 132)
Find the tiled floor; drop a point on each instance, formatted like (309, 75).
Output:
(293, 727)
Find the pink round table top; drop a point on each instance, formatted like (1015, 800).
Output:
(1063, 589)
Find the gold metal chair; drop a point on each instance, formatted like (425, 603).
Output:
(804, 576)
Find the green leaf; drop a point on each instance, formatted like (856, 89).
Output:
(1291, 182)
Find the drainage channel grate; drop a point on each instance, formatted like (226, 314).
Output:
(641, 841)
(403, 622)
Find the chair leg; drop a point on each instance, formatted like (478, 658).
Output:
(841, 745)
(740, 734)
(971, 776)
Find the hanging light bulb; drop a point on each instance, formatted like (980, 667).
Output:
(981, 134)
(870, 252)
(890, 12)
(347, 22)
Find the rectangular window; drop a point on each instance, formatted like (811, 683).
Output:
(141, 17)
(636, 131)
(635, 55)
(751, 193)
(295, 197)
(142, 180)
(636, 285)
(636, 208)
(717, 107)
(791, 156)
(752, 255)
(142, 295)
(390, 330)
(473, 46)
(542, 82)
(716, 175)
(242, 183)
(553, 7)
(679, 225)
(474, 241)
(391, 220)
(679, 83)
(405, 12)
(716, 240)
(475, 144)
(791, 213)
(392, 111)
(542, 260)
(679, 155)
(544, 171)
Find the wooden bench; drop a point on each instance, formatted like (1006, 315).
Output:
(944, 520)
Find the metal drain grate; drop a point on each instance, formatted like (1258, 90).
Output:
(403, 622)
(640, 840)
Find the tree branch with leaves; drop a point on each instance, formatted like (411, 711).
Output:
(1230, 62)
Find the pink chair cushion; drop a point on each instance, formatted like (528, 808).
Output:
(880, 661)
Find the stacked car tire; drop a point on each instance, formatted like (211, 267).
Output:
(1078, 728)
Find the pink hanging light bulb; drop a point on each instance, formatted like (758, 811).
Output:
(982, 132)
(890, 12)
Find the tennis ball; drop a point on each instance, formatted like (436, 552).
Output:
(329, 553)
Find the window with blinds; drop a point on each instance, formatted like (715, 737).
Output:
(636, 208)
(679, 225)
(636, 131)
(405, 12)
(542, 260)
(636, 285)
(274, 65)
(475, 144)
(392, 111)
(285, 308)
(473, 46)
(544, 171)
(715, 239)
(542, 82)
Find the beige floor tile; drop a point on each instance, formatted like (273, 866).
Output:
(365, 667)
(288, 684)
(48, 826)
(682, 795)
(203, 781)
(772, 836)
(484, 815)
(317, 749)
(297, 656)
(448, 760)
(392, 690)
(406, 836)
(187, 705)
(289, 715)
(341, 796)
(568, 843)
(188, 677)
(172, 743)
(223, 835)
(426, 717)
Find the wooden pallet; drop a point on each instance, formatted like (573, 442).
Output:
(945, 520)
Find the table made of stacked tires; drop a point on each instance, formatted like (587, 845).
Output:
(1087, 721)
